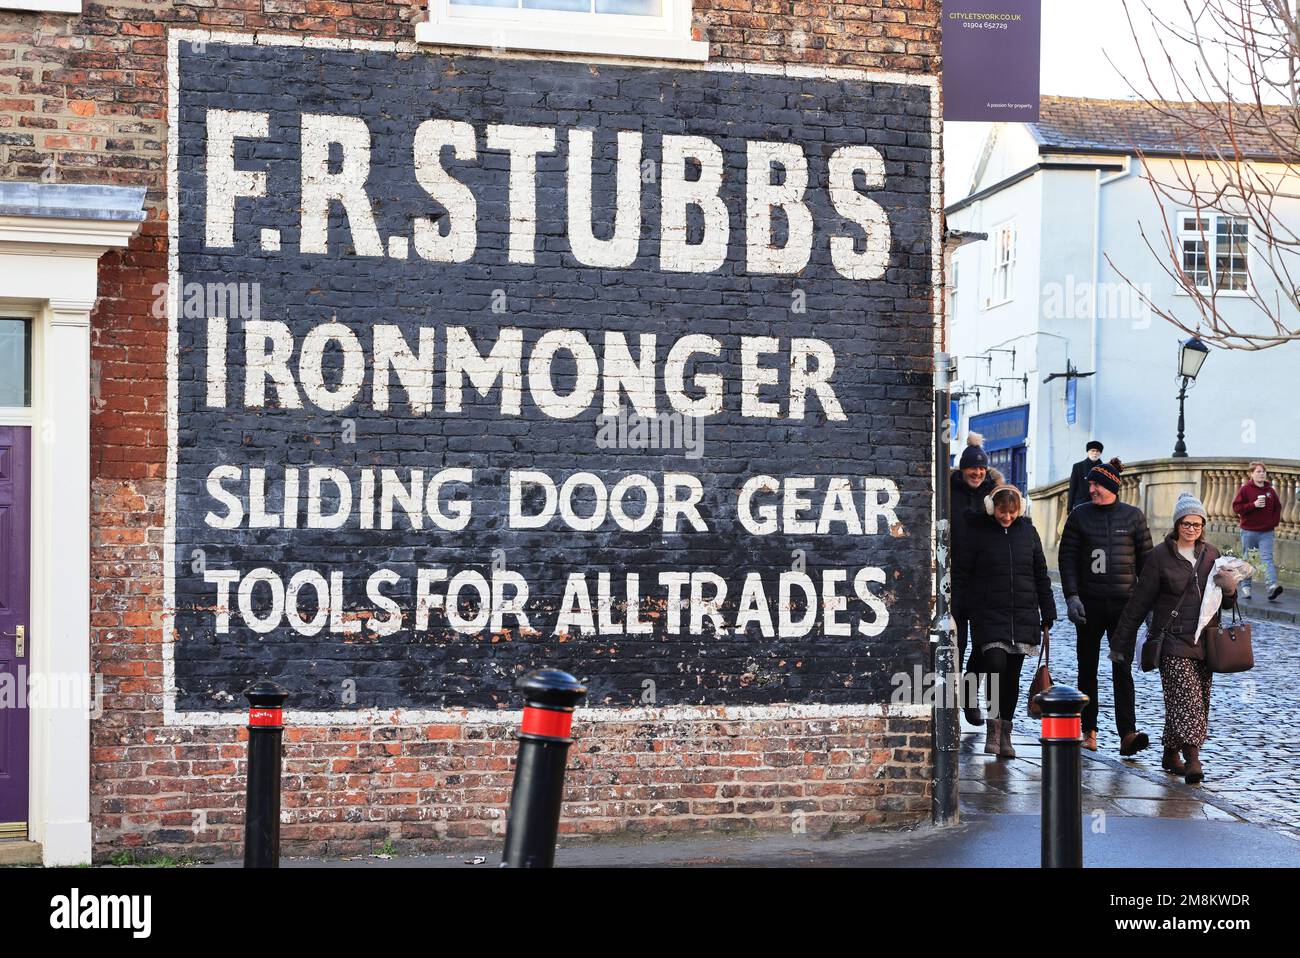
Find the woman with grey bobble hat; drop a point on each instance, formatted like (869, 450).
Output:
(1171, 587)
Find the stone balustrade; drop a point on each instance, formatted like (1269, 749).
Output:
(1154, 486)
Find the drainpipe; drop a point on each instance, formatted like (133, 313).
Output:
(944, 664)
(945, 667)
(1095, 351)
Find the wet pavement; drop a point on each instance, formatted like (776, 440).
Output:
(1128, 822)
(998, 786)
(979, 841)
(1252, 756)
(1285, 608)
(1134, 815)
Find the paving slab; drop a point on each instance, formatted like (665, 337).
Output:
(980, 841)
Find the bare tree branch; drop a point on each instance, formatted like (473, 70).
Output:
(1232, 97)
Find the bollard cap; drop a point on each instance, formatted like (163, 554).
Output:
(1061, 701)
(266, 694)
(550, 688)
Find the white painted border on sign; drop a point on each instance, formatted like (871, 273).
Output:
(355, 717)
(46, 6)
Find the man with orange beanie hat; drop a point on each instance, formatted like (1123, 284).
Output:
(1103, 548)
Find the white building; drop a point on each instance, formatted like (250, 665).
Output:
(1068, 208)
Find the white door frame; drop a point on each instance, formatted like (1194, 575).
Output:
(49, 273)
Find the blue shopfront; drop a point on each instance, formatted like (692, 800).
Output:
(1005, 432)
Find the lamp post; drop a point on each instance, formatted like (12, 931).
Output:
(1191, 356)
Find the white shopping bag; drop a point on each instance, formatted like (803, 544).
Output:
(1230, 569)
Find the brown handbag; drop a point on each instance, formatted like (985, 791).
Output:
(1042, 677)
(1228, 649)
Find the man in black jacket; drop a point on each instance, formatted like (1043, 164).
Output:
(1103, 548)
(1078, 494)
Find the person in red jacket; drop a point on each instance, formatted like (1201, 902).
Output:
(1260, 510)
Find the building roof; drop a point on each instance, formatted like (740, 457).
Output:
(1079, 125)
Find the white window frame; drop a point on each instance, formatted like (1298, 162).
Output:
(1009, 265)
(47, 6)
(666, 37)
(953, 287)
(1210, 236)
(22, 415)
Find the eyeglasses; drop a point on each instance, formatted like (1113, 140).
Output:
(1192, 525)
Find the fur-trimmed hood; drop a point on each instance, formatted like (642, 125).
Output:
(992, 479)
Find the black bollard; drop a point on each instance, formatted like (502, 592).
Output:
(262, 811)
(945, 803)
(1062, 741)
(538, 792)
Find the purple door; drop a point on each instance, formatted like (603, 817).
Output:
(15, 624)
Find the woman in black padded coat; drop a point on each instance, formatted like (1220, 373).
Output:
(1002, 572)
(970, 483)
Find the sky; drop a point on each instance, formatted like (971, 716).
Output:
(1078, 35)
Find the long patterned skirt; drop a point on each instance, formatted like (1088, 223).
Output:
(1186, 685)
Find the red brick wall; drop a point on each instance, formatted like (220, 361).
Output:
(348, 789)
(83, 100)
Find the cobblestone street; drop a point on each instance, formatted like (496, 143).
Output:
(1252, 757)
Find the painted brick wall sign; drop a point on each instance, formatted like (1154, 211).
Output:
(478, 366)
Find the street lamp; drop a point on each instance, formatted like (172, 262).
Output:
(1191, 357)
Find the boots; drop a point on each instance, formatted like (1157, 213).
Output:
(1132, 743)
(1170, 762)
(991, 732)
(1193, 773)
(1004, 741)
(1090, 741)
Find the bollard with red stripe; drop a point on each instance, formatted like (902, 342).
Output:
(262, 811)
(549, 699)
(1062, 741)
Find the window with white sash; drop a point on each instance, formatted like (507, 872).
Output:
(1003, 280)
(657, 29)
(954, 280)
(1214, 250)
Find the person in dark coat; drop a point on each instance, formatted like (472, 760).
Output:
(1003, 575)
(1078, 493)
(1171, 590)
(1103, 546)
(969, 484)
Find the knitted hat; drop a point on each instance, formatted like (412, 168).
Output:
(1094, 444)
(973, 456)
(1188, 505)
(1106, 474)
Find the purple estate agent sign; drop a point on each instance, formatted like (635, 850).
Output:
(991, 52)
